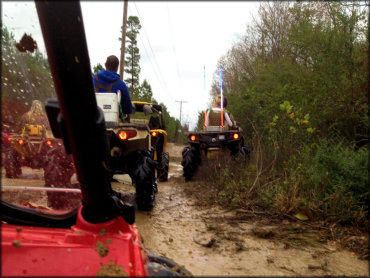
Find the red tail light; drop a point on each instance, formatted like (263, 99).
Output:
(126, 134)
(154, 134)
(49, 143)
(20, 141)
(193, 137)
(235, 136)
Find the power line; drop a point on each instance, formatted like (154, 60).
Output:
(147, 54)
(173, 44)
(160, 80)
(151, 62)
(154, 57)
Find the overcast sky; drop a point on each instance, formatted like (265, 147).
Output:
(176, 41)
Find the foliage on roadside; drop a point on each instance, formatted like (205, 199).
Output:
(297, 83)
(172, 126)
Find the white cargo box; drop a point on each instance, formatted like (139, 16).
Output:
(109, 103)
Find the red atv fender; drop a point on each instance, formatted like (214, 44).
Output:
(86, 249)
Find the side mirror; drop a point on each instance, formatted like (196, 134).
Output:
(147, 110)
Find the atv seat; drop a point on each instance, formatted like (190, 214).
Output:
(109, 103)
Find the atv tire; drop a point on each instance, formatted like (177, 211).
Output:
(191, 160)
(246, 152)
(12, 164)
(143, 175)
(242, 155)
(163, 168)
(160, 266)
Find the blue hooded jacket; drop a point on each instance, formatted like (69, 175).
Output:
(107, 77)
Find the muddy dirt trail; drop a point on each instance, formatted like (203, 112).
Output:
(210, 241)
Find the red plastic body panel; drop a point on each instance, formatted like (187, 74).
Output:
(84, 250)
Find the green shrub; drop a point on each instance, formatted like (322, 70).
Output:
(343, 174)
(332, 181)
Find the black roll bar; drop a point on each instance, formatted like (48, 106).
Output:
(64, 35)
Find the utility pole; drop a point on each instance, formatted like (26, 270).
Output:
(181, 101)
(123, 39)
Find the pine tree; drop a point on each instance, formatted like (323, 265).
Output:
(132, 67)
(98, 68)
(146, 93)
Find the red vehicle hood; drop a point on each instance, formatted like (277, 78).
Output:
(107, 249)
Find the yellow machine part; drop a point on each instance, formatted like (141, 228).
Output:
(161, 131)
(141, 102)
(213, 152)
(35, 130)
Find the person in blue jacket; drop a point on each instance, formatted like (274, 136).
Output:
(108, 80)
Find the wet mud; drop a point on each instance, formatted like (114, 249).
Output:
(207, 243)
(212, 241)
